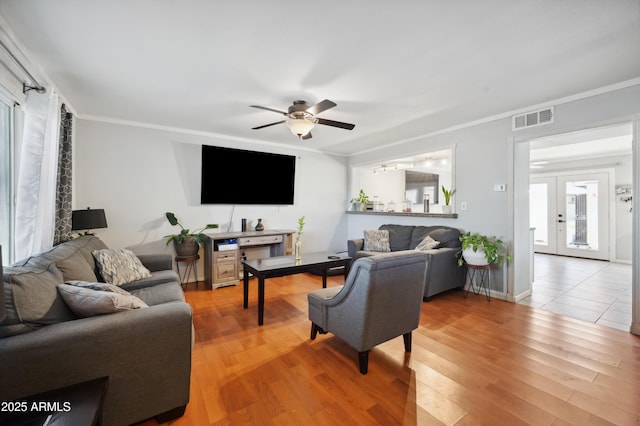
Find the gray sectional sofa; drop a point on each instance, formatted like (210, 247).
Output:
(443, 272)
(145, 352)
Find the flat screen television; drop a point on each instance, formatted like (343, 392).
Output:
(236, 176)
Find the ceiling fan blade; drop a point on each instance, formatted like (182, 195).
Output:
(267, 125)
(321, 106)
(269, 109)
(339, 124)
(307, 136)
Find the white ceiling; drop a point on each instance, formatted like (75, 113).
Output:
(398, 70)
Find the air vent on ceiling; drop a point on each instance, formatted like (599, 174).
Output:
(533, 118)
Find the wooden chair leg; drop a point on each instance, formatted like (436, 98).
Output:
(407, 341)
(363, 360)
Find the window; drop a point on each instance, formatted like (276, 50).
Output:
(6, 180)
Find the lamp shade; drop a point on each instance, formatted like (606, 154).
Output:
(300, 126)
(88, 219)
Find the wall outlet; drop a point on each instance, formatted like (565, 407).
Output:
(500, 187)
(463, 206)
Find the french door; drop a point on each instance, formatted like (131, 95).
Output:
(570, 214)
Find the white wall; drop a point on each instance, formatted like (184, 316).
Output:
(137, 174)
(484, 156)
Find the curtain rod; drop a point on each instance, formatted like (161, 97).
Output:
(25, 87)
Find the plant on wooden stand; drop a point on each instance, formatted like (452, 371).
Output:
(186, 243)
(492, 250)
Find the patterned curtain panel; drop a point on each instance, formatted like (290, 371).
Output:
(63, 187)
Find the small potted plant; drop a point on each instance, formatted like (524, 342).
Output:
(297, 248)
(447, 199)
(186, 243)
(478, 249)
(360, 202)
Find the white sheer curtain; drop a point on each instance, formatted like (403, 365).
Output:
(37, 173)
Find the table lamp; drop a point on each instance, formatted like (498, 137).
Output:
(88, 219)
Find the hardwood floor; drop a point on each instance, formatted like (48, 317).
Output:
(473, 362)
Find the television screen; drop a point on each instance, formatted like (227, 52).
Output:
(236, 176)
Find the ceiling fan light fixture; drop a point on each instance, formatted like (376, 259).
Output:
(300, 126)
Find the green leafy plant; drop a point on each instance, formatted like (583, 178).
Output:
(300, 225)
(492, 247)
(362, 198)
(197, 235)
(447, 194)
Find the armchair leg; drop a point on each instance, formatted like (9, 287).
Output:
(315, 329)
(363, 360)
(407, 341)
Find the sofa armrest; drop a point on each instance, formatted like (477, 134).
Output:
(354, 245)
(156, 262)
(443, 272)
(146, 353)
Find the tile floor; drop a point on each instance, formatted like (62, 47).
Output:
(589, 290)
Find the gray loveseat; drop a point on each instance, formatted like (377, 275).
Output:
(443, 272)
(146, 352)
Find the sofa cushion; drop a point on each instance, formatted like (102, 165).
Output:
(427, 243)
(75, 267)
(376, 240)
(399, 236)
(448, 237)
(86, 302)
(120, 266)
(158, 277)
(160, 293)
(34, 300)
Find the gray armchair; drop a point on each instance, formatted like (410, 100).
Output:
(381, 299)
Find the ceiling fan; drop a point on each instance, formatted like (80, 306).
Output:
(302, 117)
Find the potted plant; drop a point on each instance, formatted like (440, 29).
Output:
(186, 243)
(447, 199)
(360, 202)
(478, 249)
(297, 248)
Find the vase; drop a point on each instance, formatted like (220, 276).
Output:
(259, 226)
(297, 249)
(188, 247)
(446, 209)
(477, 258)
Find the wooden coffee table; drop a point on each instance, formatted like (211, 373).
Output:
(280, 266)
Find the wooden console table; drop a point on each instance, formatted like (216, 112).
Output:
(222, 267)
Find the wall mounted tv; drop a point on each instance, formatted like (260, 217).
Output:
(236, 176)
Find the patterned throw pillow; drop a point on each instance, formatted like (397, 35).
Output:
(120, 266)
(377, 240)
(427, 243)
(85, 302)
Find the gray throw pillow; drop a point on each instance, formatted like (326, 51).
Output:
(427, 244)
(85, 302)
(99, 286)
(120, 266)
(376, 240)
(75, 267)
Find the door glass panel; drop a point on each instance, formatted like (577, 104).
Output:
(581, 215)
(538, 216)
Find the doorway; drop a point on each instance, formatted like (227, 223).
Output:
(570, 215)
(568, 174)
